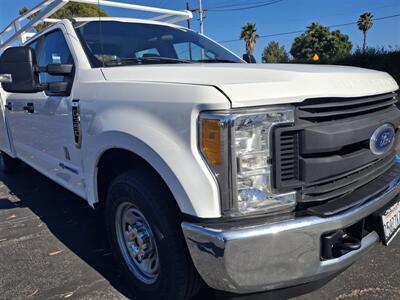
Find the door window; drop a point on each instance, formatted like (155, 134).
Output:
(33, 45)
(54, 51)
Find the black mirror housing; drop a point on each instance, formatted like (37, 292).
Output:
(20, 63)
(249, 58)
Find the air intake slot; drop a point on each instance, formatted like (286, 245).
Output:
(287, 158)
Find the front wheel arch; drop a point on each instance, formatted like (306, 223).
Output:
(116, 161)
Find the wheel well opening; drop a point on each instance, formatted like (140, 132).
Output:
(115, 162)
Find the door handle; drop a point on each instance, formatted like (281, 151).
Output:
(8, 106)
(29, 108)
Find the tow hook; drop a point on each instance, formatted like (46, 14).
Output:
(343, 241)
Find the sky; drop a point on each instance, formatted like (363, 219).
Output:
(274, 18)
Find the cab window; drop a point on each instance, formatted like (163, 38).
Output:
(33, 45)
(54, 51)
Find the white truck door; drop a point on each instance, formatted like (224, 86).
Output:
(45, 134)
(19, 129)
(5, 144)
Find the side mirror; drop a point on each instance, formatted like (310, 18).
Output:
(249, 58)
(19, 73)
(18, 70)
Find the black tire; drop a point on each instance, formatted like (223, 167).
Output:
(9, 165)
(177, 278)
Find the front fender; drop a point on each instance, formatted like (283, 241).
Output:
(162, 132)
(120, 140)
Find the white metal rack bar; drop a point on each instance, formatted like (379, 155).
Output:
(44, 10)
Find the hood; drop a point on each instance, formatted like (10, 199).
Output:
(252, 84)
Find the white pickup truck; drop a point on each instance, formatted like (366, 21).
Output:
(247, 177)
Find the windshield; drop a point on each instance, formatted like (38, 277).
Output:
(122, 43)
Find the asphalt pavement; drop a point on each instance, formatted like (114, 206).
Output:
(52, 246)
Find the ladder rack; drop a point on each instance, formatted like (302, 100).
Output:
(48, 7)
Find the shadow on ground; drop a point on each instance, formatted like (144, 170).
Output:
(32, 201)
(69, 219)
(52, 245)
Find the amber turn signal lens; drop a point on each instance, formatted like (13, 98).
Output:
(211, 141)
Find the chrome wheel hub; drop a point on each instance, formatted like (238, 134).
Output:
(137, 243)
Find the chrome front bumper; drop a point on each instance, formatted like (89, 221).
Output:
(267, 256)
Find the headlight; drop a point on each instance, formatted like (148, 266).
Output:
(237, 147)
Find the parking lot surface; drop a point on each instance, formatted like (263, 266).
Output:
(52, 246)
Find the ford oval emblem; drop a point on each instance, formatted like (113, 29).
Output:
(382, 140)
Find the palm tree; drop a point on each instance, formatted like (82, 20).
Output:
(365, 23)
(250, 36)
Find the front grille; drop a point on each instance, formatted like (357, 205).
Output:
(346, 183)
(321, 110)
(326, 155)
(357, 196)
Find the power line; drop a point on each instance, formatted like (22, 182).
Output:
(244, 7)
(246, 3)
(231, 3)
(333, 15)
(230, 7)
(302, 31)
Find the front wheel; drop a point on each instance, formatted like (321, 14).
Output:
(146, 238)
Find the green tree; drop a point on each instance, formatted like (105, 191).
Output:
(318, 39)
(71, 10)
(365, 23)
(250, 36)
(274, 53)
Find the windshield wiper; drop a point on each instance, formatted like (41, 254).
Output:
(167, 59)
(141, 60)
(162, 59)
(216, 61)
